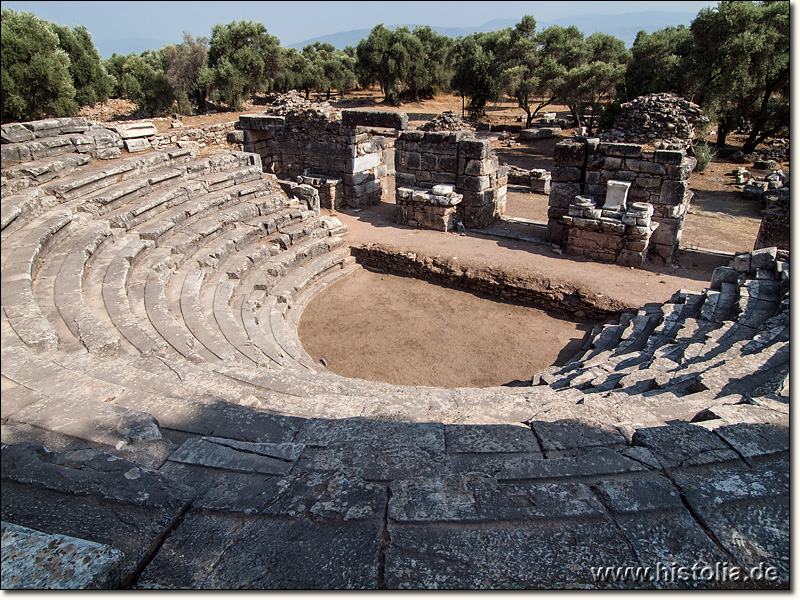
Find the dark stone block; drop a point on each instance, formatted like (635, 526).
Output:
(375, 118)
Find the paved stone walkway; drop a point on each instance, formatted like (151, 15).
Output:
(162, 426)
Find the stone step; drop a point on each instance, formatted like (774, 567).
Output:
(115, 297)
(201, 208)
(31, 246)
(78, 250)
(232, 328)
(92, 180)
(171, 331)
(92, 495)
(200, 324)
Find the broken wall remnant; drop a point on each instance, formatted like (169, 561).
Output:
(620, 236)
(584, 166)
(429, 209)
(300, 138)
(425, 159)
(774, 229)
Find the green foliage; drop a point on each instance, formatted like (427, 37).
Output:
(141, 79)
(36, 81)
(477, 69)
(738, 69)
(704, 155)
(243, 58)
(581, 73)
(656, 62)
(90, 78)
(186, 72)
(408, 65)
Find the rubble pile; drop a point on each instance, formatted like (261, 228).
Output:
(665, 121)
(292, 103)
(447, 121)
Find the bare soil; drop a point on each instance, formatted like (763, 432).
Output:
(383, 327)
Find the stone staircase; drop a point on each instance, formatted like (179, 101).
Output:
(162, 426)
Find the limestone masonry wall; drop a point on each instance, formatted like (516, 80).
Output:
(584, 166)
(424, 159)
(324, 143)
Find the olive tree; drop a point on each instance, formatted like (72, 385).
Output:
(36, 80)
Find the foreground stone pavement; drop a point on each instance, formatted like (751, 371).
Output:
(163, 427)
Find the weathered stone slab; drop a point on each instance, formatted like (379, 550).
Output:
(137, 144)
(539, 133)
(586, 429)
(748, 512)
(135, 130)
(323, 432)
(234, 455)
(91, 495)
(684, 444)
(527, 556)
(489, 438)
(666, 538)
(480, 498)
(375, 118)
(224, 421)
(15, 132)
(595, 463)
(376, 461)
(217, 551)
(96, 422)
(33, 560)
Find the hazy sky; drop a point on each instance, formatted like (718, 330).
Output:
(294, 22)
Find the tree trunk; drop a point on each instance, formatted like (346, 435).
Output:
(722, 133)
(529, 119)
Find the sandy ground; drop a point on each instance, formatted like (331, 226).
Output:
(384, 327)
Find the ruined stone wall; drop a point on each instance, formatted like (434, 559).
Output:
(584, 166)
(544, 294)
(620, 237)
(774, 229)
(424, 159)
(326, 143)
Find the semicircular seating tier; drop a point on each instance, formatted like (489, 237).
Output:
(159, 408)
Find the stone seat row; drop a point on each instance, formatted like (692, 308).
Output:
(198, 228)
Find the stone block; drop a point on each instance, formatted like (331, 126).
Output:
(11, 133)
(569, 153)
(566, 174)
(479, 149)
(472, 184)
(674, 192)
(375, 118)
(135, 130)
(539, 133)
(670, 157)
(410, 136)
(365, 162)
(621, 150)
(562, 194)
(33, 560)
(723, 275)
(137, 145)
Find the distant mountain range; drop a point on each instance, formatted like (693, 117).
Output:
(624, 26)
